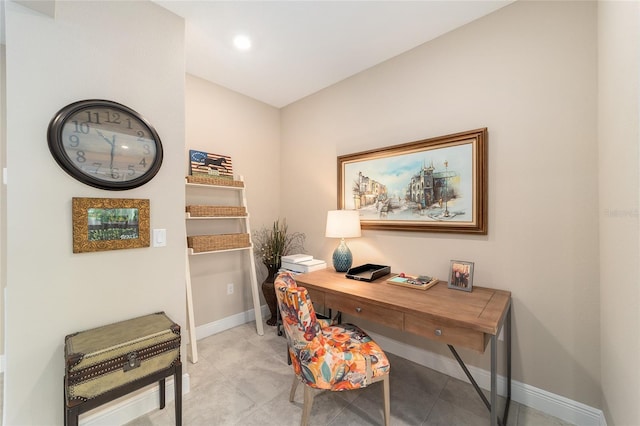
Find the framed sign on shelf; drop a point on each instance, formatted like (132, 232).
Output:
(206, 164)
(431, 185)
(101, 224)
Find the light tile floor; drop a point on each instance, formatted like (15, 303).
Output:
(243, 379)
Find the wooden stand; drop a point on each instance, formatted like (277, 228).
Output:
(240, 214)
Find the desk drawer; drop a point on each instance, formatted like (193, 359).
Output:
(366, 311)
(317, 297)
(451, 335)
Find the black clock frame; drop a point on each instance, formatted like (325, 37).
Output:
(54, 138)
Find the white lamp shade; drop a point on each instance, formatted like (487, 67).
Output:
(343, 224)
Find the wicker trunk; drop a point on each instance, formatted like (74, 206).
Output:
(107, 362)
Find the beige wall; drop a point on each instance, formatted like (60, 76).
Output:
(528, 73)
(618, 134)
(90, 50)
(224, 122)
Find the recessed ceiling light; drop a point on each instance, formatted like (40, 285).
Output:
(242, 42)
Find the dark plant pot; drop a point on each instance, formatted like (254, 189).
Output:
(268, 290)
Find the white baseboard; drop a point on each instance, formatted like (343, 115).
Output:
(216, 327)
(137, 405)
(547, 402)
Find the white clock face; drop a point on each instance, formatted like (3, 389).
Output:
(105, 145)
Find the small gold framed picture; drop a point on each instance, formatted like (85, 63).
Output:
(101, 224)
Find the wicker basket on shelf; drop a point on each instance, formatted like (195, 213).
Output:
(214, 180)
(216, 211)
(203, 243)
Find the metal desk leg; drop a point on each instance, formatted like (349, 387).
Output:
(507, 342)
(470, 377)
(491, 404)
(506, 326)
(494, 382)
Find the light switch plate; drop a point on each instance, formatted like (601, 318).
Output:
(159, 237)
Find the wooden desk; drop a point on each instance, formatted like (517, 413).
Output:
(470, 320)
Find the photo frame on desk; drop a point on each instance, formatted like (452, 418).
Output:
(461, 275)
(432, 185)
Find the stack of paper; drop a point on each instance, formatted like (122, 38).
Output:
(302, 263)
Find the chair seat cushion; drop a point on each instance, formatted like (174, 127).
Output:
(340, 363)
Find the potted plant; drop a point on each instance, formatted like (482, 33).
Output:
(270, 244)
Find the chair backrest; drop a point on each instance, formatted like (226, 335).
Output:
(334, 357)
(298, 316)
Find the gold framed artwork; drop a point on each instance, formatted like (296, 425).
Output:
(101, 224)
(431, 185)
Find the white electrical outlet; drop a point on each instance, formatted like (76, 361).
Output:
(230, 288)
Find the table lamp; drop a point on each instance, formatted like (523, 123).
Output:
(342, 224)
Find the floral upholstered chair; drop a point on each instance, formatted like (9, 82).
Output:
(334, 357)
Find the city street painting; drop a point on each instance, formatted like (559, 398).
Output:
(109, 224)
(431, 185)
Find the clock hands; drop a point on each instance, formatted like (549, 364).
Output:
(111, 142)
(113, 149)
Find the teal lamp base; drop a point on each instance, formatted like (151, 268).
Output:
(342, 258)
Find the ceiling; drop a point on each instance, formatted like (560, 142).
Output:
(301, 47)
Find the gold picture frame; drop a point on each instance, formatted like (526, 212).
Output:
(432, 185)
(101, 224)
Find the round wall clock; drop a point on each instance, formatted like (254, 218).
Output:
(105, 144)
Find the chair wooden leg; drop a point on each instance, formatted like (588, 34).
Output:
(387, 402)
(306, 408)
(294, 386)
